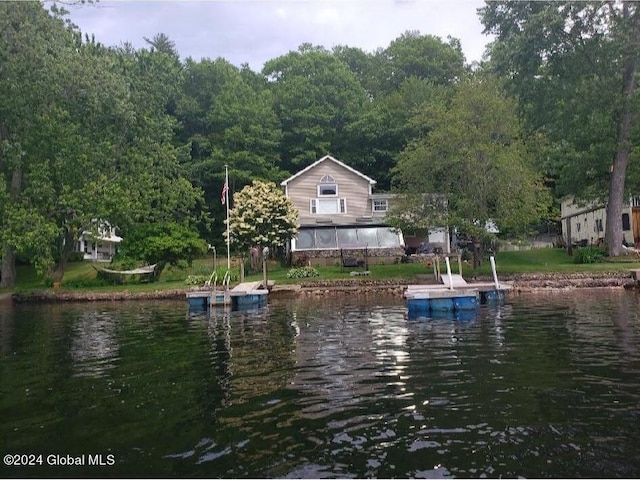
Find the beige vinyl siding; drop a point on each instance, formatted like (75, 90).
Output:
(351, 187)
(589, 221)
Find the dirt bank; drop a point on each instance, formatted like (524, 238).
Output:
(519, 283)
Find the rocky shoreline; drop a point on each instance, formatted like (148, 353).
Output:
(519, 284)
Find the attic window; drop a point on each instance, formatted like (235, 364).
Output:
(327, 190)
(327, 187)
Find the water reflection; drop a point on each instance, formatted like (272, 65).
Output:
(546, 385)
(94, 345)
(340, 359)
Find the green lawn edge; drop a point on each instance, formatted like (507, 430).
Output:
(81, 276)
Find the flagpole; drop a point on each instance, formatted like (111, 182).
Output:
(226, 193)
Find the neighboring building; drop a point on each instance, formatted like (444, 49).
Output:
(100, 248)
(339, 216)
(585, 223)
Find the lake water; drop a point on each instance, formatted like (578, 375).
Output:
(547, 385)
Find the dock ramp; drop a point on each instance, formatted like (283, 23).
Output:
(456, 281)
(246, 287)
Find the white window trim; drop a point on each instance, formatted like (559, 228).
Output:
(327, 179)
(341, 205)
(386, 205)
(330, 195)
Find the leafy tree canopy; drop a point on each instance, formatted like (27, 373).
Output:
(474, 155)
(574, 68)
(316, 98)
(162, 243)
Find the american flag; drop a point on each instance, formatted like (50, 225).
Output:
(225, 189)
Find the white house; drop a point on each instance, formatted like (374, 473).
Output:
(101, 247)
(585, 223)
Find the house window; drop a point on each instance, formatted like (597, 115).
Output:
(598, 225)
(327, 187)
(327, 190)
(626, 224)
(326, 238)
(380, 205)
(325, 206)
(306, 239)
(346, 237)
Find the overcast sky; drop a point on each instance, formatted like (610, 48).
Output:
(254, 31)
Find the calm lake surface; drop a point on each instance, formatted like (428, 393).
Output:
(547, 385)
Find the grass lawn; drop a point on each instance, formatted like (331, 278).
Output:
(82, 275)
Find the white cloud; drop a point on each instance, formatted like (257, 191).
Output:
(259, 30)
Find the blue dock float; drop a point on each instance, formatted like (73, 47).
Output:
(493, 296)
(248, 299)
(199, 300)
(430, 301)
(421, 300)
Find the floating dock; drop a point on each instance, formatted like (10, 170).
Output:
(243, 295)
(203, 299)
(248, 294)
(453, 295)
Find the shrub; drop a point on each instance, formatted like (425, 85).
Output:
(199, 279)
(196, 280)
(76, 257)
(590, 254)
(303, 272)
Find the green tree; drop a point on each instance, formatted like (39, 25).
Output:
(425, 57)
(574, 67)
(365, 66)
(385, 128)
(262, 216)
(36, 50)
(228, 119)
(474, 154)
(316, 98)
(162, 244)
(85, 136)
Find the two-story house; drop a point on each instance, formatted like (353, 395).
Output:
(101, 247)
(340, 215)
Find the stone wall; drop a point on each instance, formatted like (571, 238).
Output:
(326, 258)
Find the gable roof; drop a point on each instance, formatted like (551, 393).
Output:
(323, 159)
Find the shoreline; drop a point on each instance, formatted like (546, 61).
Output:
(520, 283)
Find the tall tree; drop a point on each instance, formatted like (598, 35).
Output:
(34, 48)
(420, 56)
(474, 154)
(227, 117)
(86, 137)
(316, 98)
(574, 67)
(385, 128)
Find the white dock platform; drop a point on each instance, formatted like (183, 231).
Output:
(485, 291)
(479, 286)
(246, 288)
